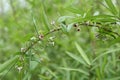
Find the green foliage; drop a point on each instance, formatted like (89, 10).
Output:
(83, 54)
(82, 42)
(8, 63)
(45, 19)
(111, 7)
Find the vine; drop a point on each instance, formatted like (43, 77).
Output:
(92, 21)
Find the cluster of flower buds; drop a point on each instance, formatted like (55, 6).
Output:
(51, 40)
(41, 36)
(76, 26)
(19, 68)
(52, 22)
(23, 50)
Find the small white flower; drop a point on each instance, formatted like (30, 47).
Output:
(87, 23)
(41, 60)
(96, 13)
(53, 22)
(52, 43)
(19, 68)
(33, 53)
(22, 49)
(51, 38)
(33, 38)
(41, 37)
(118, 23)
(21, 58)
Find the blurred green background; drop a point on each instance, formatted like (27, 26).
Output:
(58, 59)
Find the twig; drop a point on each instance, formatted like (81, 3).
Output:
(99, 26)
(52, 31)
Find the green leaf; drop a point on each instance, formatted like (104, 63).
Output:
(114, 59)
(118, 4)
(87, 13)
(105, 20)
(64, 27)
(74, 10)
(103, 65)
(27, 37)
(82, 53)
(8, 63)
(102, 18)
(76, 58)
(98, 73)
(105, 53)
(69, 27)
(111, 7)
(45, 19)
(115, 78)
(80, 19)
(51, 72)
(33, 65)
(78, 70)
(64, 18)
(35, 25)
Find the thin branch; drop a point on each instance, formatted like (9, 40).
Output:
(52, 31)
(99, 26)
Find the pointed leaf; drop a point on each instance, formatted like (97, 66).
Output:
(45, 19)
(111, 7)
(113, 78)
(76, 58)
(69, 27)
(63, 18)
(78, 70)
(105, 53)
(8, 63)
(74, 10)
(82, 53)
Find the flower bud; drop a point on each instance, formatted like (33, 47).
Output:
(22, 49)
(41, 37)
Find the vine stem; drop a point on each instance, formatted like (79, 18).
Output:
(59, 28)
(52, 31)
